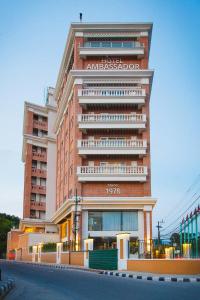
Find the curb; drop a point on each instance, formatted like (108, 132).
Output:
(55, 266)
(151, 278)
(6, 287)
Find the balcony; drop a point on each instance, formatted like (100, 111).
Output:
(40, 125)
(108, 48)
(35, 205)
(112, 173)
(39, 156)
(38, 189)
(112, 121)
(112, 96)
(39, 173)
(114, 147)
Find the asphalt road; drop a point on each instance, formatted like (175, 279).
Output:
(41, 283)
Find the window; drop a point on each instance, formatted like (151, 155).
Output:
(130, 221)
(95, 221)
(35, 132)
(33, 197)
(43, 166)
(42, 182)
(34, 164)
(113, 221)
(33, 180)
(42, 198)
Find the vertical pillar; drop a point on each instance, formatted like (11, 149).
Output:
(188, 230)
(39, 252)
(88, 246)
(181, 238)
(184, 232)
(123, 250)
(34, 253)
(147, 229)
(59, 248)
(196, 234)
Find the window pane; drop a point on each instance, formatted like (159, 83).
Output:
(106, 44)
(111, 221)
(117, 44)
(130, 221)
(95, 44)
(94, 221)
(127, 44)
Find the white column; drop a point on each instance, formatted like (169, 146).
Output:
(59, 248)
(123, 250)
(34, 253)
(39, 252)
(147, 228)
(88, 246)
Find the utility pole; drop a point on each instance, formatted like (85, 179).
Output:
(159, 227)
(76, 217)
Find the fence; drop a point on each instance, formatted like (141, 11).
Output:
(164, 249)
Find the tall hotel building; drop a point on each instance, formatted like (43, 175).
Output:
(87, 152)
(103, 133)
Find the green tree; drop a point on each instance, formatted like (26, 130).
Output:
(7, 222)
(175, 238)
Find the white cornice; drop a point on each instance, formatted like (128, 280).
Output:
(112, 73)
(103, 202)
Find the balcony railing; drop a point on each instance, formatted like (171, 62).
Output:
(136, 92)
(112, 143)
(112, 173)
(38, 155)
(38, 205)
(107, 44)
(38, 188)
(124, 118)
(38, 172)
(40, 124)
(112, 170)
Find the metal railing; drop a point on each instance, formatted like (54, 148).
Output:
(112, 170)
(112, 143)
(111, 92)
(109, 44)
(132, 118)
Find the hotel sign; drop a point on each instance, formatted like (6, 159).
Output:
(112, 64)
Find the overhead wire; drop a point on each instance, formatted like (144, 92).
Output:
(180, 202)
(180, 217)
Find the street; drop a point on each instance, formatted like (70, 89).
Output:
(41, 283)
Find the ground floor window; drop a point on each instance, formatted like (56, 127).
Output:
(113, 221)
(105, 243)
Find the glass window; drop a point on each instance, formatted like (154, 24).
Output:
(95, 44)
(106, 44)
(95, 221)
(111, 221)
(127, 44)
(130, 221)
(116, 44)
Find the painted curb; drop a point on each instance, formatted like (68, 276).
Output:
(6, 287)
(151, 278)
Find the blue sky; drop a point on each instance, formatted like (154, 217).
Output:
(32, 40)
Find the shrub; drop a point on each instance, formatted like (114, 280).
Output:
(49, 247)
